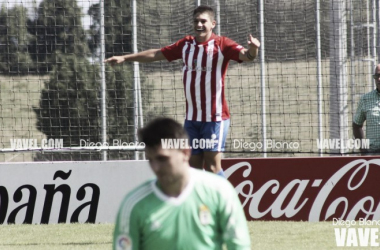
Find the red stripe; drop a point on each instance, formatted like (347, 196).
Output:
(185, 77)
(192, 84)
(225, 111)
(203, 82)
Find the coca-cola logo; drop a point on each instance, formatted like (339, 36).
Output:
(308, 189)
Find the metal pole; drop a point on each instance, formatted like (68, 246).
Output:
(319, 76)
(103, 81)
(374, 35)
(218, 17)
(338, 73)
(377, 26)
(262, 71)
(352, 60)
(136, 75)
(140, 114)
(369, 49)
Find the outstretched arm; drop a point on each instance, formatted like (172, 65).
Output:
(143, 57)
(252, 51)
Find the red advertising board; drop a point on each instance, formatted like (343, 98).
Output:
(307, 189)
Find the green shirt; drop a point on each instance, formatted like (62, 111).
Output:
(207, 214)
(369, 110)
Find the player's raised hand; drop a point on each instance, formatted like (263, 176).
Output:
(253, 41)
(115, 60)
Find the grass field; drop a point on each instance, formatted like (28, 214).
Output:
(265, 235)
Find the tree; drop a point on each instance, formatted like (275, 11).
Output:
(14, 40)
(69, 106)
(117, 27)
(57, 28)
(120, 109)
(120, 90)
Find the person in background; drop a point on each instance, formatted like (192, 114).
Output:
(205, 59)
(369, 111)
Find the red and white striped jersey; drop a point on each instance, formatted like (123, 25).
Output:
(204, 69)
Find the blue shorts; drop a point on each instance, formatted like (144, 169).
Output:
(207, 136)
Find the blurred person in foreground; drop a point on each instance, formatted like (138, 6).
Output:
(205, 60)
(183, 208)
(369, 111)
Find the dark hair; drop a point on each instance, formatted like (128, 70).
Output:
(161, 128)
(204, 9)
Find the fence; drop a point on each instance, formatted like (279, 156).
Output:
(316, 60)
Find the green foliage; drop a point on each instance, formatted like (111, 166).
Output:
(120, 90)
(117, 27)
(14, 40)
(57, 28)
(69, 105)
(120, 108)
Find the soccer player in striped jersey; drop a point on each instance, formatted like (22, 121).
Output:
(205, 59)
(182, 208)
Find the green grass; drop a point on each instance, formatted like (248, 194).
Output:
(57, 236)
(265, 235)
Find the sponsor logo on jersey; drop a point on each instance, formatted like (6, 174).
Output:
(210, 51)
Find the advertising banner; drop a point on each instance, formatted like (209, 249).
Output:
(298, 189)
(307, 189)
(67, 192)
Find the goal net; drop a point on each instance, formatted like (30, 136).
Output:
(317, 58)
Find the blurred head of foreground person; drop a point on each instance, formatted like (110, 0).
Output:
(183, 208)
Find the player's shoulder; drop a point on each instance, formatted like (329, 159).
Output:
(210, 180)
(372, 93)
(187, 38)
(183, 41)
(225, 39)
(138, 194)
(226, 42)
(369, 95)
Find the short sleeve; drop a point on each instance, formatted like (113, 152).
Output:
(174, 51)
(360, 115)
(233, 221)
(126, 234)
(231, 49)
